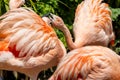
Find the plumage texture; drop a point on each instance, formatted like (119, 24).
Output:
(14, 4)
(92, 25)
(89, 63)
(29, 45)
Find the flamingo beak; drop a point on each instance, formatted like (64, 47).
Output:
(46, 15)
(49, 15)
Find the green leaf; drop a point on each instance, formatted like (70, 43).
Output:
(115, 13)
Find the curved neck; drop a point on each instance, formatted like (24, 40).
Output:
(68, 37)
(14, 4)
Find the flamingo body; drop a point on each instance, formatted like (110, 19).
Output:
(29, 45)
(88, 63)
(92, 25)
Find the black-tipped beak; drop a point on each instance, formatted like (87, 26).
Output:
(46, 15)
(49, 15)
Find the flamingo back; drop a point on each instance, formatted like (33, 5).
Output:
(88, 63)
(93, 24)
(28, 37)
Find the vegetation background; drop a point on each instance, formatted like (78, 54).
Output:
(66, 10)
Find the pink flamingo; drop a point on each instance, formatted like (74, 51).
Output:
(27, 43)
(92, 25)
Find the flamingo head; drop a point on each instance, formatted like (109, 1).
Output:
(55, 21)
(47, 19)
(13, 4)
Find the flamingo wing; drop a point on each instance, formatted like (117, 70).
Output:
(88, 63)
(93, 24)
(31, 42)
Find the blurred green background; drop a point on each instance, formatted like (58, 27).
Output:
(66, 10)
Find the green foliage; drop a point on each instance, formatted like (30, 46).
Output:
(114, 3)
(3, 6)
(43, 6)
(115, 8)
(116, 26)
(115, 13)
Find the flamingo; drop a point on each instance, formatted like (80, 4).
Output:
(88, 63)
(46, 19)
(92, 25)
(14, 4)
(27, 43)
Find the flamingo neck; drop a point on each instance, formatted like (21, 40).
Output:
(68, 38)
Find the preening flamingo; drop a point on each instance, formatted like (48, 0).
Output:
(92, 25)
(27, 43)
(46, 19)
(89, 63)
